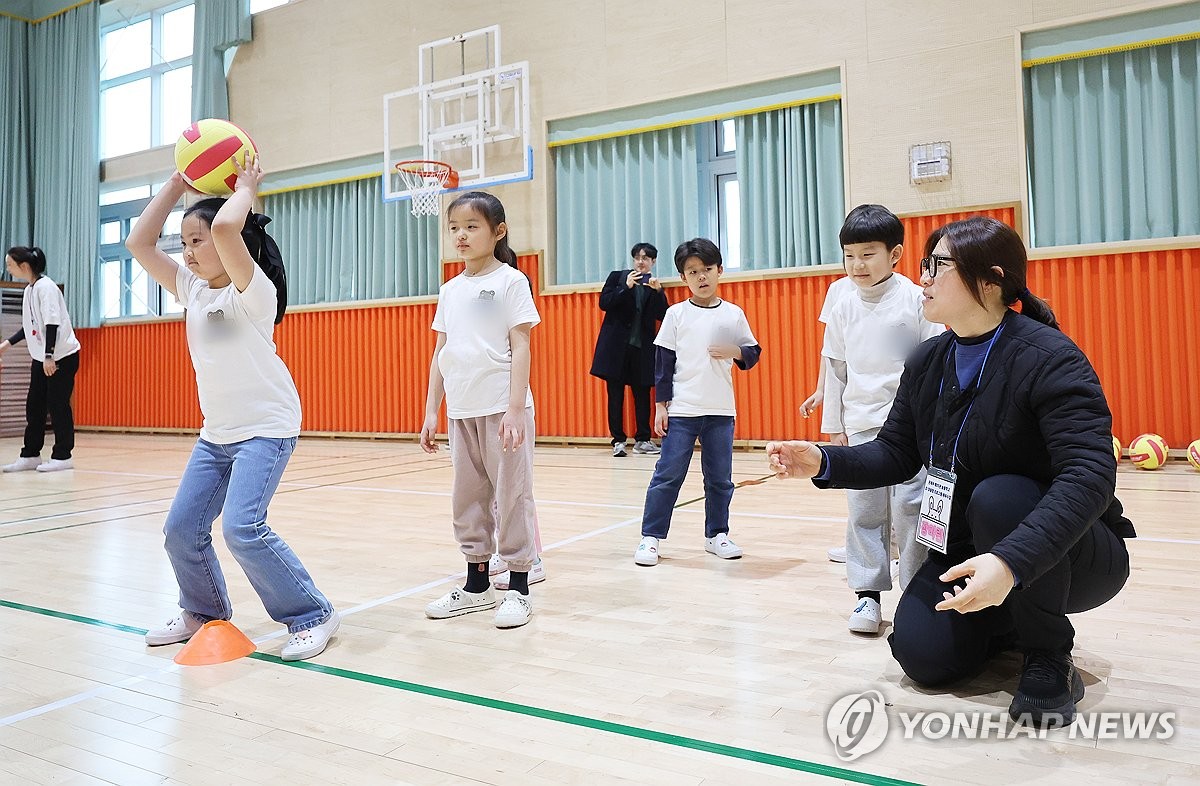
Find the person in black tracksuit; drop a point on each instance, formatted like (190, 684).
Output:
(633, 303)
(1013, 406)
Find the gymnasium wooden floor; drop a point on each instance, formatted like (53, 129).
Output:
(694, 671)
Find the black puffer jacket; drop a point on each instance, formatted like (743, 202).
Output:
(1039, 412)
(619, 304)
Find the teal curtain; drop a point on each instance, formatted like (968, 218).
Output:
(1112, 146)
(16, 225)
(64, 85)
(342, 243)
(219, 25)
(612, 193)
(790, 181)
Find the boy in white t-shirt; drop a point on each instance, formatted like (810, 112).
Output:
(251, 417)
(838, 288)
(700, 341)
(869, 334)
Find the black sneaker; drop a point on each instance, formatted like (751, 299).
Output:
(619, 450)
(1049, 688)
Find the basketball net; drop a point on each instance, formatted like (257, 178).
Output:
(425, 180)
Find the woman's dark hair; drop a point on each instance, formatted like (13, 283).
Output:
(262, 247)
(638, 248)
(872, 224)
(979, 244)
(493, 212)
(29, 255)
(702, 248)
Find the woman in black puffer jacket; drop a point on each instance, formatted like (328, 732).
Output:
(1012, 414)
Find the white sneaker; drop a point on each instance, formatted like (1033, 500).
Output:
(515, 610)
(647, 552)
(457, 602)
(619, 450)
(723, 547)
(55, 465)
(496, 565)
(536, 574)
(646, 446)
(866, 617)
(836, 553)
(305, 644)
(181, 628)
(23, 464)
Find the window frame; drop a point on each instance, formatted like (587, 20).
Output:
(158, 301)
(717, 166)
(155, 71)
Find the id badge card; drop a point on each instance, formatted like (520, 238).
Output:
(933, 528)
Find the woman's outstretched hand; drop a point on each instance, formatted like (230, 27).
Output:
(794, 459)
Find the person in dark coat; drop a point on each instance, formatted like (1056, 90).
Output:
(1008, 415)
(633, 303)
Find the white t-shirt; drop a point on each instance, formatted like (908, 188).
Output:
(873, 339)
(476, 313)
(43, 304)
(838, 289)
(703, 385)
(245, 388)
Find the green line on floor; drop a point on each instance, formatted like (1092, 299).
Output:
(676, 740)
(583, 721)
(62, 615)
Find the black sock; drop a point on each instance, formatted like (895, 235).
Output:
(873, 595)
(519, 581)
(477, 577)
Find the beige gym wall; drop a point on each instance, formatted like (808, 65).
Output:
(311, 83)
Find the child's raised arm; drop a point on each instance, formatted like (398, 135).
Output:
(231, 218)
(143, 238)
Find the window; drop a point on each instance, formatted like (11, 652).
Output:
(665, 172)
(146, 80)
(125, 288)
(729, 220)
(726, 137)
(721, 214)
(1110, 128)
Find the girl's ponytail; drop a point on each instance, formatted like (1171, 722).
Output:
(504, 253)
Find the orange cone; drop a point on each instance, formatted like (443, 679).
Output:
(218, 641)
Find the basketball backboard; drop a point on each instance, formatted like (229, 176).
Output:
(468, 110)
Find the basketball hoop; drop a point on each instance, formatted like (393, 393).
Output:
(426, 180)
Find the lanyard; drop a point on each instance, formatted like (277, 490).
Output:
(982, 366)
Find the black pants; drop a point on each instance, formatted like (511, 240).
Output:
(630, 370)
(53, 394)
(937, 647)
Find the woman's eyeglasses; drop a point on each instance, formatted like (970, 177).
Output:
(931, 263)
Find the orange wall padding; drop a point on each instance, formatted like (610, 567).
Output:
(364, 370)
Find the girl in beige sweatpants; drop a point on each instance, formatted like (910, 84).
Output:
(480, 367)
